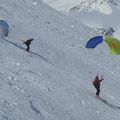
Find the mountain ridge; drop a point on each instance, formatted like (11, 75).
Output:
(103, 6)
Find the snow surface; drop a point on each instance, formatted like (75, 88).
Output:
(54, 81)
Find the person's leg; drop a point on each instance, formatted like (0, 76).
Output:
(28, 48)
(98, 90)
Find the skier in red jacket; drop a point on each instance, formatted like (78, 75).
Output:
(96, 84)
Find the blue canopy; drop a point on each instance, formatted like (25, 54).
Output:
(93, 42)
(4, 28)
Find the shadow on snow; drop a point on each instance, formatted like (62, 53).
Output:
(36, 54)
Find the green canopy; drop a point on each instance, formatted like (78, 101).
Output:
(114, 44)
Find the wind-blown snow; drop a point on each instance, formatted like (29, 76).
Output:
(54, 81)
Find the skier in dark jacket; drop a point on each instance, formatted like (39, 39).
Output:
(27, 43)
(96, 84)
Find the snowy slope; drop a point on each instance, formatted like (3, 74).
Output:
(104, 6)
(94, 13)
(53, 82)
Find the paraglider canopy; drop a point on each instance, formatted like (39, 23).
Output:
(93, 42)
(4, 28)
(114, 44)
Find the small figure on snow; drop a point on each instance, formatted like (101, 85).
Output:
(96, 84)
(27, 43)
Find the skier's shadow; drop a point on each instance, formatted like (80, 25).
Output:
(106, 102)
(16, 45)
(43, 58)
(112, 106)
(109, 104)
(13, 44)
(40, 56)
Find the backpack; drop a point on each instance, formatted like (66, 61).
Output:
(93, 82)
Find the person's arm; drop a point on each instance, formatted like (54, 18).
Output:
(101, 79)
(23, 41)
